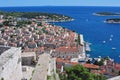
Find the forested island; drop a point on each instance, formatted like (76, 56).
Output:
(49, 17)
(106, 14)
(113, 20)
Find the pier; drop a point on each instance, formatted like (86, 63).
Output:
(82, 56)
(81, 39)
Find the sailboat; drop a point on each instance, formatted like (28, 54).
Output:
(111, 36)
(110, 39)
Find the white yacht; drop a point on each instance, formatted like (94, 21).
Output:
(113, 48)
(104, 41)
(110, 39)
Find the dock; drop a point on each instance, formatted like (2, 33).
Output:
(81, 39)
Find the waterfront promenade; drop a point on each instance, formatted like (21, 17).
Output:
(82, 54)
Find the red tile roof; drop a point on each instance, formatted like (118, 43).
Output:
(67, 49)
(117, 66)
(66, 61)
(73, 63)
(91, 66)
(62, 60)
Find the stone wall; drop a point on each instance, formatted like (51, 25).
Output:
(11, 70)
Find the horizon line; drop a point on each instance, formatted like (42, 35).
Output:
(61, 6)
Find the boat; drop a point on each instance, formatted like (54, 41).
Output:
(88, 55)
(111, 35)
(104, 41)
(113, 48)
(110, 39)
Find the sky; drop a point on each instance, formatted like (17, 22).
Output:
(4, 3)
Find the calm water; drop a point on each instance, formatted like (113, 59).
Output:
(92, 27)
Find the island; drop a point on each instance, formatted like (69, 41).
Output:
(113, 20)
(49, 17)
(106, 14)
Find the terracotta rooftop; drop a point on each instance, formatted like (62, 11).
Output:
(62, 60)
(66, 61)
(117, 66)
(67, 49)
(91, 66)
(73, 63)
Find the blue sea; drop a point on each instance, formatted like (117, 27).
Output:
(92, 27)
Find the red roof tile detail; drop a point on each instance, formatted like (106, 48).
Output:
(91, 66)
(67, 49)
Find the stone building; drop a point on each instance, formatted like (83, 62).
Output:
(28, 58)
(66, 52)
(10, 63)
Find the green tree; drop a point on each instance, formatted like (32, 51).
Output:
(39, 24)
(100, 63)
(78, 72)
(1, 25)
(2, 78)
(6, 23)
(2, 31)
